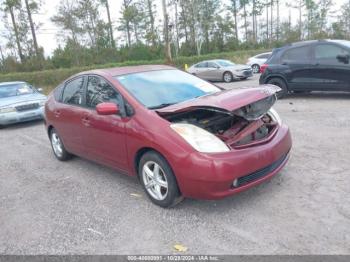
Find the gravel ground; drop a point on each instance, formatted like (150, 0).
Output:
(78, 207)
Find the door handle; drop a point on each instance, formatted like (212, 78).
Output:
(57, 113)
(86, 121)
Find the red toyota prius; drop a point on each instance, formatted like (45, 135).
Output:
(180, 135)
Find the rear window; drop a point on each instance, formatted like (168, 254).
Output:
(299, 54)
(264, 56)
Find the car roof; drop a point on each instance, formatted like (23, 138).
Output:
(117, 71)
(11, 83)
(308, 42)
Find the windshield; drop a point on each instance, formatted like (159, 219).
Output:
(225, 63)
(15, 90)
(157, 89)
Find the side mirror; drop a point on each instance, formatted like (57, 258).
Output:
(107, 109)
(343, 58)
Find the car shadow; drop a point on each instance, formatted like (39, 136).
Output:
(23, 125)
(132, 186)
(320, 95)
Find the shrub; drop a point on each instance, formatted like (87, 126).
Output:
(48, 79)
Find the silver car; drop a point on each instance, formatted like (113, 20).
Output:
(20, 102)
(220, 70)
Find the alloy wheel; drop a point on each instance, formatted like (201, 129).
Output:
(155, 181)
(227, 77)
(57, 144)
(256, 69)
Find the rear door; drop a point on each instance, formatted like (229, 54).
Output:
(213, 71)
(297, 61)
(104, 135)
(332, 73)
(201, 70)
(68, 114)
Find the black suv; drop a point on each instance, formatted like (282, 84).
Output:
(317, 65)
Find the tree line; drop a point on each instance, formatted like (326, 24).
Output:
(157, 29)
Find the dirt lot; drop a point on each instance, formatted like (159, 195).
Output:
(49, 207)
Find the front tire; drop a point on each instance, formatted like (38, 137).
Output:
(58, 148)
(256, 68)
(158, 180)
(227, 77)
(281, 84)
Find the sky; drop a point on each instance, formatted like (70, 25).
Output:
(47, 34)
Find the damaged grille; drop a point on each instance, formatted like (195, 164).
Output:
(27, 107)
(244, 180)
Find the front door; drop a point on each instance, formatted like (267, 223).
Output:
(104, 135)
(332, 72)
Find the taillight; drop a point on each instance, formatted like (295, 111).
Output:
(263, 68)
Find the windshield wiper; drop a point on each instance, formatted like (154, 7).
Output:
(161, 105)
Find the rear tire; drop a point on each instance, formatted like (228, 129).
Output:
(227, 77)
(256, 68)
(281, 84)
(58, 148)
(158, 180)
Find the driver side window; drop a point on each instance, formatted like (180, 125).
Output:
(327, 54)
(100, 91)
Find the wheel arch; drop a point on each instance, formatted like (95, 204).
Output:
(138, 156)
(143, 151)
(277, 76)
(49, 128)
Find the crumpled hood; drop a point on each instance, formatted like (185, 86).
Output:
(229, 100)
(13, 100)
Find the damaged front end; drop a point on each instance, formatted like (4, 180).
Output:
(249, 125)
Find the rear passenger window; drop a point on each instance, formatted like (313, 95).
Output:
(296, 55)
(99, 91)
(201, 65)
(73, 92)
(212, 65)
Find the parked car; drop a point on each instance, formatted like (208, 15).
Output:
(318, 65)
(256, 61)
(180, 135)
(220, 70)
(20, 102)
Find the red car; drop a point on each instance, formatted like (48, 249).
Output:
(180, 135)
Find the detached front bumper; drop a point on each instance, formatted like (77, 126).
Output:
(211, 176)
(24, 116)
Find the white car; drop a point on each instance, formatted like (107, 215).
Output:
(256, 61)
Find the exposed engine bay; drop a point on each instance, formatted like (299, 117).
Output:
(244, 127)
